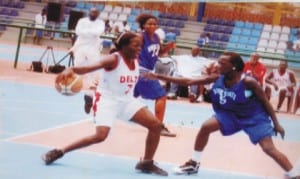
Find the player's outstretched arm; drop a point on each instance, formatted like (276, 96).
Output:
(205, 79)
(107, 62)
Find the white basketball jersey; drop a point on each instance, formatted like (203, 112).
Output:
(281, 80)
(120, 81)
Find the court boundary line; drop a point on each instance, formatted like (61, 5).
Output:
(47, 129)
(160, 163)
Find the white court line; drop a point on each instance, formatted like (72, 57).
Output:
(37, 101)
(48, 129)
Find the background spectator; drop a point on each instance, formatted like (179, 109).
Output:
(40, 21)
(281, 81)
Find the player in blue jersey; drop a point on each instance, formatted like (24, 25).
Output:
(239, 104)
(151, 49)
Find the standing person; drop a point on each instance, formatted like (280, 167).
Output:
(239, 104)
(255, 68)
(151, 49)
(87, 50)
(282, 81)
(117, 101)
(40, 21)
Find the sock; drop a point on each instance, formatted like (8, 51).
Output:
(293, 172)
(196, 156)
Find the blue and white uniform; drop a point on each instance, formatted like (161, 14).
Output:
(115, 100)
(149, 89)
(237, 108)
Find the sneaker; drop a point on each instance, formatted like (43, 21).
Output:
(167, 133)
(199, 99)
(148, 166)
(52, 155)
(171, 96)
(190, 167)
(88, 103)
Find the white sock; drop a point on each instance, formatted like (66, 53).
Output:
(196, 156)
(293, 172)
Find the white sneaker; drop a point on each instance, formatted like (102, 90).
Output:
(200, 99)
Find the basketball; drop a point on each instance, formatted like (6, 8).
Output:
(68, 85)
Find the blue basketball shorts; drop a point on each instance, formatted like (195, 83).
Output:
(149, 89)
(257, 126)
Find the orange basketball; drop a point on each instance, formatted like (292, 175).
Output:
(68, 85)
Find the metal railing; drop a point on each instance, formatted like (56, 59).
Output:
(184, 45)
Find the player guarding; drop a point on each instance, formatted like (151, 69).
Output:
(239, 104)
(117, 101)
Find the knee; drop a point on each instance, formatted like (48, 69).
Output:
(99, 137)
(156, 127)
(269, 149)
(205, 128)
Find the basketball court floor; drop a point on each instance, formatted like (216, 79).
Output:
(34, 118)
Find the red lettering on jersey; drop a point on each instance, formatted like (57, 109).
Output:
(128, 79)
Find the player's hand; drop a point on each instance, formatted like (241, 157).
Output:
(67, 73)
(280, 130)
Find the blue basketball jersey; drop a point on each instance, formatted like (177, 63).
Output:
(149, 53)
(235, 99)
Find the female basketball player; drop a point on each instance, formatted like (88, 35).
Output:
(239, 103)
(116, 101)
(151, 48)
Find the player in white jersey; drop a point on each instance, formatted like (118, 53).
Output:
(116, 100)
(87, 49)
(281, 81)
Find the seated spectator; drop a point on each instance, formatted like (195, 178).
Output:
(126, 26)
(281, 81)
(190, 66)
(255, 69)
(203, 40)
(297, 100)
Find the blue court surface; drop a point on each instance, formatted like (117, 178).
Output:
(26, 109)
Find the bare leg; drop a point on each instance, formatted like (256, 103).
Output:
(209, 126)
(268, 92)
(290, 100)
(268, 147)
(99, 136)
(154, 126)
(160, 108)
(282, 95)
(297, 101)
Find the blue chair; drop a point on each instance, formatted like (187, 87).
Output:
(135, 11)
(246, 32)
(200, 42)
(170, 23)
(249, 25)
(231, 46)
(14, 12)
(155, 13)
(237, 31)
(215, 37)
(243, 40)
(176, 31)
(224, 38)
(210, 21)
(80, 5)
(228, 30)
(234, 39)
(253, 41)
(239, 24)
(131, 18)
(180, 24)
(256, 33)
(100, 7)
(89, 5)
(258, 26)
